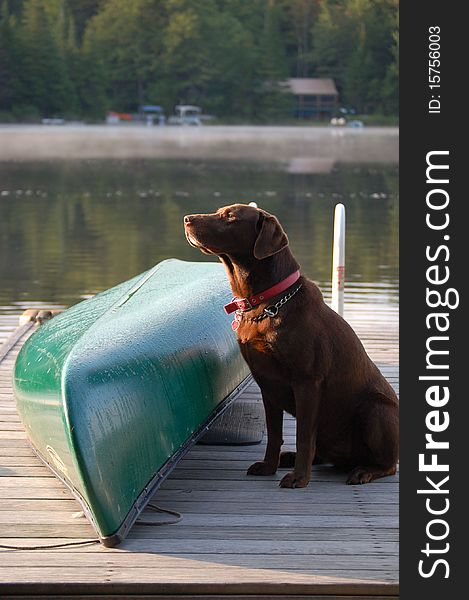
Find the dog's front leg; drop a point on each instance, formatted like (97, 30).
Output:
(274, 421)
(307, 407)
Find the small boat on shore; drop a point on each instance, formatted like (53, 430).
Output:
(115, 390)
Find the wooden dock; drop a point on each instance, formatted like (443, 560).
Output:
(240, 537)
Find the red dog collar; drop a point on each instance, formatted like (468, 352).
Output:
(253, 301)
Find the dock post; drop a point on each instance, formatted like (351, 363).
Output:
(338, 260)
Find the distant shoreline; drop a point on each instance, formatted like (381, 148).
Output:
(251, 142)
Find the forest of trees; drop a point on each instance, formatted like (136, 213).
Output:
(80, 58)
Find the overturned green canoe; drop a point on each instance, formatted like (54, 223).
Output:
(115, 390)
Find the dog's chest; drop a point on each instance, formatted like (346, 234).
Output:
(260, 353)
(254, 339)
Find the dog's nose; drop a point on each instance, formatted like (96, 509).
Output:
(188, 218)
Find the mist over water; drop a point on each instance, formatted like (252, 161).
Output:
(256, 143)
(72, 227)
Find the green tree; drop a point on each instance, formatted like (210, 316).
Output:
(127, 37)
(354, 42)
(208, 58)
(91, 81)
(185, 65)
(82, 11)
(44, 79)
(64, 57)
(391, 80)
(359, 73)
(332, 41)
(272, 101)
(299, 17)
(8, 73)
(228, 67)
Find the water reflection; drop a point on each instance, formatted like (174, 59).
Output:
(69, 229)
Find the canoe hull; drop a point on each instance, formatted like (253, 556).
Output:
(115, 390)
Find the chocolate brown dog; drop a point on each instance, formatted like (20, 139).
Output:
(306, 359)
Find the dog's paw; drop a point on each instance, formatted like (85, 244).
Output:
(287, 460)
(293, 481)
(261, 468)
(359, 476)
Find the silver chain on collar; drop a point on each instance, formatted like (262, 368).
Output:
(272, 309)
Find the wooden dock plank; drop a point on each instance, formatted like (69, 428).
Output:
(40, 533)
(239, 536)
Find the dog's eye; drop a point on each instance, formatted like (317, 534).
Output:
(230, 216)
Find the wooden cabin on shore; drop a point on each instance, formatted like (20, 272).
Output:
(316, 98)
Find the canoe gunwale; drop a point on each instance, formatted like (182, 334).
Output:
(145, 496)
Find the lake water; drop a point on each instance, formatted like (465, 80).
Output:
(71, 228)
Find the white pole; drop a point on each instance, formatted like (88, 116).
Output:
(338, 260)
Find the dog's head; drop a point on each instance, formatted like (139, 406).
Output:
(239, 230)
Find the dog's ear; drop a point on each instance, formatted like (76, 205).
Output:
(271, 237)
